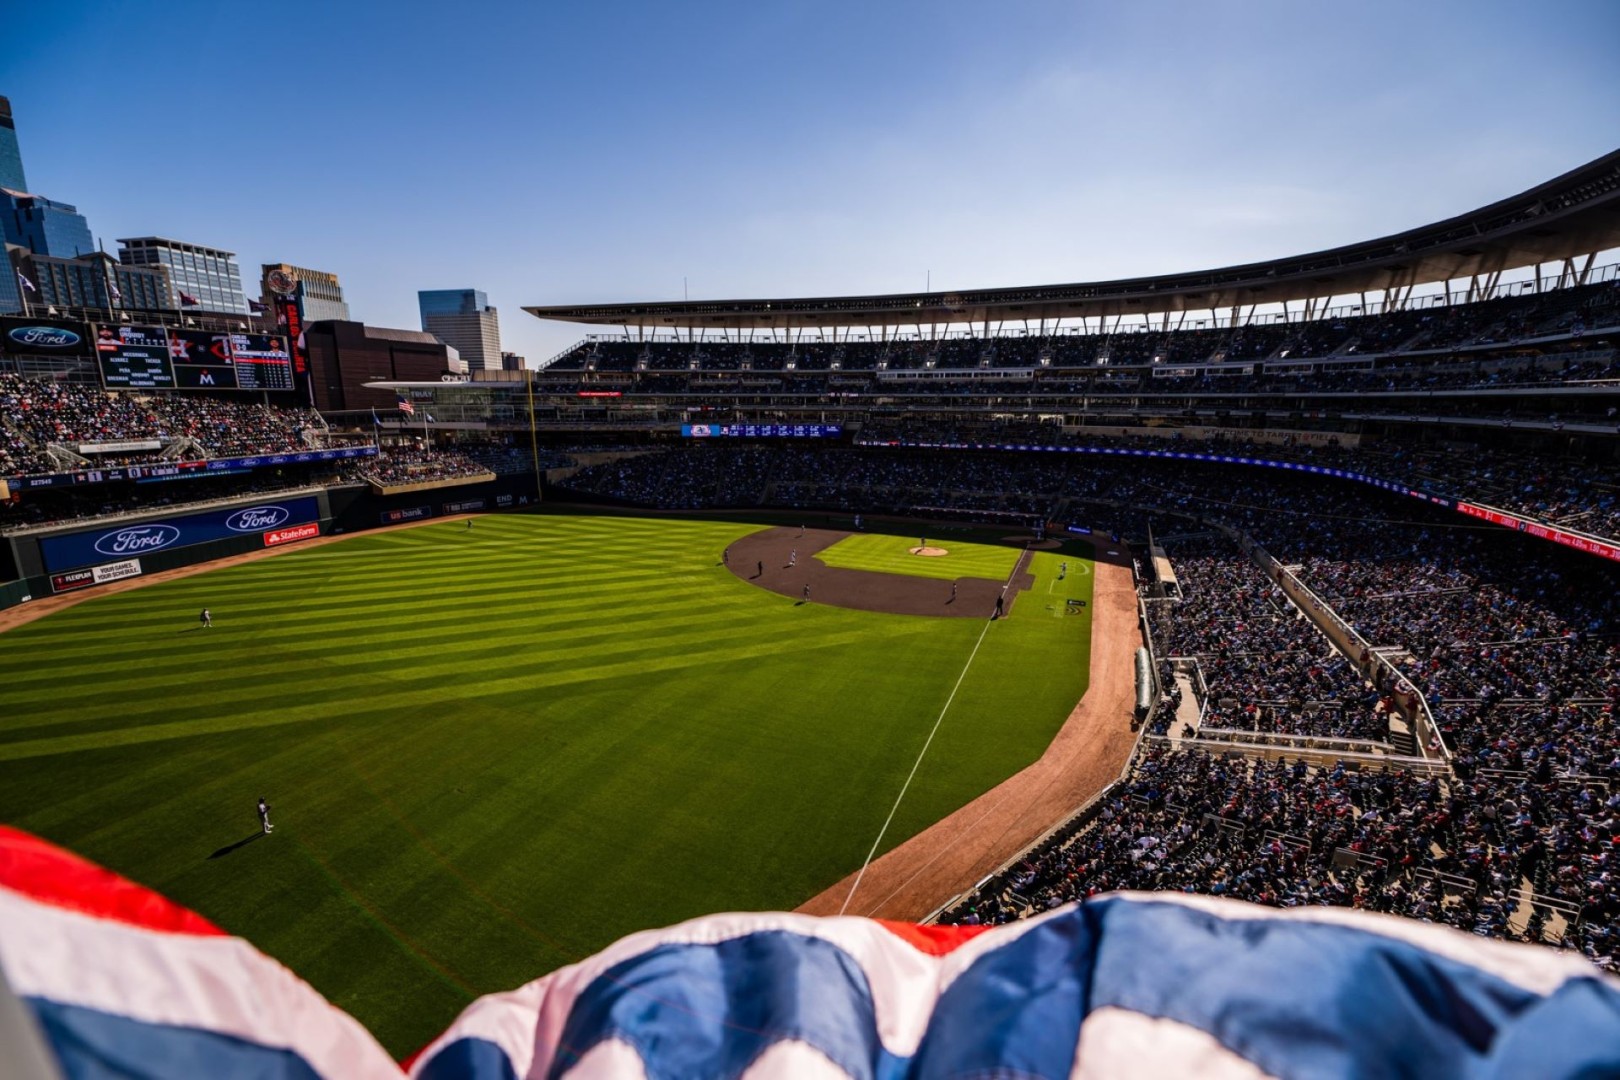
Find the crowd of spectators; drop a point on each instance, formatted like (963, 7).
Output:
(397, 465)
(1265, 666)
(36, 414)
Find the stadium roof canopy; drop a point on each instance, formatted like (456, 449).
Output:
(1573, 216)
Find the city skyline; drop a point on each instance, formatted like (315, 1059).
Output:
(811, 151)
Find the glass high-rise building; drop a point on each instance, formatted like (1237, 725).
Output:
(44, 226)
(11, 167)
(463, 319)
(206, 275)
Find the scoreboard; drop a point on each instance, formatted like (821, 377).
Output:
(262, 362)
(134, 358)
(160, 358)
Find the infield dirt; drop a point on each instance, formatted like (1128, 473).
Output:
(767, 559)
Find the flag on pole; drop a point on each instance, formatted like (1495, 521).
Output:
(22, 280)
(406, 407)
(375, 420)
(112, 287)
(187, 300)
(430, 419)
(256, 307)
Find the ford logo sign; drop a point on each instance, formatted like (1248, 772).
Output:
(257, 519)
(140, 538)
(44, 337)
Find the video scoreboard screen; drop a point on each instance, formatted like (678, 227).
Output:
(761, 431)
(158, 358)
(202, 360)
(262, 362)
(134, 358)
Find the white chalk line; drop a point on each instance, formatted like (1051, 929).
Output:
(915, 765)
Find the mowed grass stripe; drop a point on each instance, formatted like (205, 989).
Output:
(403, 685)
(338, 598)
(384, 625)
(479, 652)
(338, 608)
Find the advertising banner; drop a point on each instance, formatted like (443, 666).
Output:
(189, 468)
(43, 337)
(95, 575)
(91, 546)
(464, 507)
(277, 537)
(127, 446)
(762, 431)
(410, 513)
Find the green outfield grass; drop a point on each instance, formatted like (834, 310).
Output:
(491, 753)
(889, 554)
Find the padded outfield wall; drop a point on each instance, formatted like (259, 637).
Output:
(85, 554)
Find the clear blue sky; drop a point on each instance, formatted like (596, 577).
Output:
(552, 153)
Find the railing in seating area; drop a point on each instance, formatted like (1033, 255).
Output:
(1409, 701)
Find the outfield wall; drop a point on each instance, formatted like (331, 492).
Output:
(85, 554)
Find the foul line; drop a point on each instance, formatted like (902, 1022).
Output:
(929, 741)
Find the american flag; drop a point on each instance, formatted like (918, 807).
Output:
(406, 407)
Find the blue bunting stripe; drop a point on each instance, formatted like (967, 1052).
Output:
(1292, 995)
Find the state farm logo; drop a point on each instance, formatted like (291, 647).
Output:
(44, 337)
(287, 536)
(257, 519)
(139, 538)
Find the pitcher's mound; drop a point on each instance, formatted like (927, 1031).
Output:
(928, 552)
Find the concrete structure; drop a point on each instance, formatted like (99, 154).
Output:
(464, 319)
(317, 293)
(207, 275)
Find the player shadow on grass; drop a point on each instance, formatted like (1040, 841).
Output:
(191, 629)
(244, 842)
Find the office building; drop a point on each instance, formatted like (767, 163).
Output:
(44, 226)
(317, 293)
(464, 319)
(344, 356)
(11, 166)
(96, 281)
(511, 361)
(201, 278)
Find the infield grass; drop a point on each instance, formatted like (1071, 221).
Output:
(890, 554)
(491, 753)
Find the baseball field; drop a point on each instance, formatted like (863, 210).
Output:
(491, 751)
